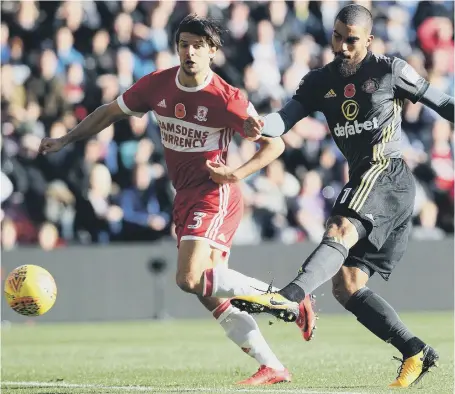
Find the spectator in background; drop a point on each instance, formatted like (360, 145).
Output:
(155, 38)
(65, 51)
(310, 207)
(143, 216)
(55, 167)
(74, 90)
(238, 39)
(48, 238)
(96, 214)
(123, 32)
(427, 229)
(273, 189)
(9, 235)
(100, 60)
(124, 68)
(27, 24)
(109, 149)
(79, 174)
(5, 48)
(47, 88)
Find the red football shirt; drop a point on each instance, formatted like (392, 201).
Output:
(196, 124)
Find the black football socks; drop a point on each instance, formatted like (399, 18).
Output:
(381, 319)
(321, 266)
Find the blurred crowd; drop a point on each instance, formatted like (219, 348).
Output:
(61, 60)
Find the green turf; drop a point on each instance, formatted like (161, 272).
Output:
(195, 355)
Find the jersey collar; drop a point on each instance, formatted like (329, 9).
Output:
(194, 88)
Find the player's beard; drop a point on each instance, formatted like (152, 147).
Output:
(347, 67)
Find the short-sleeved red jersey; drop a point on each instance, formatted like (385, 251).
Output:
(196, 124)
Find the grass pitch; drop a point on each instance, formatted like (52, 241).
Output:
(194, 356)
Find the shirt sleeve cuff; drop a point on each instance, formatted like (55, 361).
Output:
(126, 110)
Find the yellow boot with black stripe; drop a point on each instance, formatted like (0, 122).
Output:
(413, 368)
(273, 303)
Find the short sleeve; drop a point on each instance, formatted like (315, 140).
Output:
(305, 93)
(238, 110)
(135, 100)
(407, 83)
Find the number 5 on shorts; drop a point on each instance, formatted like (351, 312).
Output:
(198, 219)
(345, 194)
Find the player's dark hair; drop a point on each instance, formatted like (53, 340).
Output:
(204, 27)
(355, 14)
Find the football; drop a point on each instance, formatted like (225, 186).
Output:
(30, 290)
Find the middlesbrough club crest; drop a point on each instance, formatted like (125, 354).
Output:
(370, 86)
(201, 114)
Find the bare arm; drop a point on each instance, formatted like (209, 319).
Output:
(269, 150)
(94, 123)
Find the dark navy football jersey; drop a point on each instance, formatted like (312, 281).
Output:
(363, 111)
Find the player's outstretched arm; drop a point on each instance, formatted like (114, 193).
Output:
(276, 124)
(439, 102)
(412, 86)
(269, 150)
(94, 123)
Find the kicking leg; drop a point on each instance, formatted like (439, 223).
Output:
(322, 265)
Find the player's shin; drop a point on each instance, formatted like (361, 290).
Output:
(243, 330)
(222, 281)
(321, 266)
(381, 319)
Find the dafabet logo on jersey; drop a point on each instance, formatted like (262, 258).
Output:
(350, 110)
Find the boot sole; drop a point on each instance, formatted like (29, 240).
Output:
(254, 307)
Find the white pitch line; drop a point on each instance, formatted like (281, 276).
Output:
(167, 389)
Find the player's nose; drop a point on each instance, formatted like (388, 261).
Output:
(344, 47)
(191, 50)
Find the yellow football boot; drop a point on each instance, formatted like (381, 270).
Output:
(273, 303)
(413, 368)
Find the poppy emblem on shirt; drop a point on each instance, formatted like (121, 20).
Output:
(201, 114)
(349, 90)
(370, 86)
(180, 111)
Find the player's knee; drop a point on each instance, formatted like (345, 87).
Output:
(343, 230)
(343, 287)
(188, 282)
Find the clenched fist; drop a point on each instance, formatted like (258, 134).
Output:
(49, 145)
(253, 127)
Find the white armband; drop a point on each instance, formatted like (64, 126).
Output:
(273, 125)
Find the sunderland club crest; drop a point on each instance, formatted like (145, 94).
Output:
(370, 86)
(201, 114)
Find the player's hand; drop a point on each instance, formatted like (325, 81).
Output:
(220, 173)
(156, 222)
(253, 127)
(49, 145)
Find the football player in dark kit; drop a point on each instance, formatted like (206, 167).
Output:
(361, 95)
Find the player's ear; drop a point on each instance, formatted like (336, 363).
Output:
(369, 39)
(212, 52)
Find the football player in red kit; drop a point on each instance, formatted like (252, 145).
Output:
(198, 113)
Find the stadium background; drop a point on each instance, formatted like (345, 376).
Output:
(60, 60)
(112, 325)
